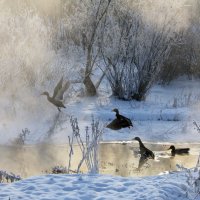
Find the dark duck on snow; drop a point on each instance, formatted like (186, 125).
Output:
(57, 98)
(145, 153)
(120, 121)
(181, 151)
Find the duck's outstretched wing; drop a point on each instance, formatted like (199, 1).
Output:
(62, 90)
(126, 121)
(57, 88)
(114, 125)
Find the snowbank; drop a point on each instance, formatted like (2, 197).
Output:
(69, 187)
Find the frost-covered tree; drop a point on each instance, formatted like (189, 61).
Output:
(135, 47)
(83, 21)
(184, 58)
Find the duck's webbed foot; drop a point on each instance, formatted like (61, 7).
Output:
(59, 109)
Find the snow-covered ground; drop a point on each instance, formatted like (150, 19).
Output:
(98, 187)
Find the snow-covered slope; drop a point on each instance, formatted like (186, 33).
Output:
(98, 187)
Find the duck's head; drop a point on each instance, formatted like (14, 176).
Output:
(172, 147)
(136, 138)
(45, 93)
(116, 110)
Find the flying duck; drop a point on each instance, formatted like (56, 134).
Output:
(145, 153)
(175, 151)
(119, 122)
(57, 97)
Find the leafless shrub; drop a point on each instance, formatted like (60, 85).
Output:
(184, 100)
(184, 57)
(8, 177)
(89, 149)
(197, 127)
(192, 180)
(193, 176)
(135, 52)
(61, 170)
(22, 137)
(182, 60)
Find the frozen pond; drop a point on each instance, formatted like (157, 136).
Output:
(114, 158)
